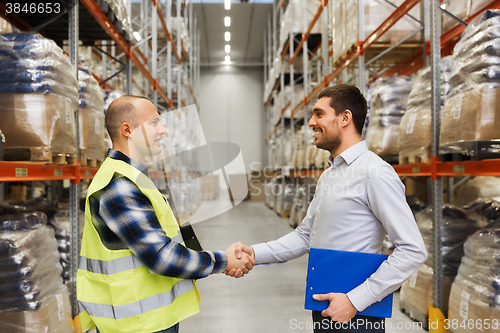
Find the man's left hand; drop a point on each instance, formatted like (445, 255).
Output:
(340, 309)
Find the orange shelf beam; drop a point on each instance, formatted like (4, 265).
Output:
(413, 169)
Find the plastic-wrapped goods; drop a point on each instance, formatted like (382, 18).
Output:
(486, 210)
(476, 290)
(293, 20)
(456, 228)
(414, 140)
(120, 9)
(478, 187)
(387, 107)
(471, 117)
(30, 278)
(345, 36)
(110, 96)
(471, 113)
(416, 293)
(91, 118)
(38, 97)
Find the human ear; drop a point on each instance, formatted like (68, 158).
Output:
(126, 129)
(346, 118)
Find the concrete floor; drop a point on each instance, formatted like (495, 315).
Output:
(270, 298)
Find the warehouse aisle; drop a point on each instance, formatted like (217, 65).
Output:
(270, 298)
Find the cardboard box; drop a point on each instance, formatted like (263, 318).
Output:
(471, 116)
(53, 317)
(37, 121)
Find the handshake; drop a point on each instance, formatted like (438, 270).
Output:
(240, 260)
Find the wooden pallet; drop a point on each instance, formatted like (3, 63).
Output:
(469, 151)
(88, 162)
(414, 158)
(41, 156)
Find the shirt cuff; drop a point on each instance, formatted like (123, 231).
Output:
(220, 262)
(360, 297)
(262, 254)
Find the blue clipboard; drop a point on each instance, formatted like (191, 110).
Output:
(340, 272)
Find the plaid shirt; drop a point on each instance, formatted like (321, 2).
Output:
(125, 219)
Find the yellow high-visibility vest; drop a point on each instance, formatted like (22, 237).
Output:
(116, 292)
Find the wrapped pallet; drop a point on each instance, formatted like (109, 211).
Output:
(345, 36)
(414, 140)
(455, 229)
(38, 97)
(387, 107)
(91, 120)
(475, 294)
(293, 20)
(471, 117)
(33, 297)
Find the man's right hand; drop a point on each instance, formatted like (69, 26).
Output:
(240, 251)
(237, 262)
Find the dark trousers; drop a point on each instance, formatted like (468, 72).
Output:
(357, 324)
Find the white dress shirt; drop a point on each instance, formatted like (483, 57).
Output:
(358, 200)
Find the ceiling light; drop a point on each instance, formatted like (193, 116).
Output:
(137, 36)
(227, 36)
(227, 58)
(227, 21)
(227, 48)
(227, 4)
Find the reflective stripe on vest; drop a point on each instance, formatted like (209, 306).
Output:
(139, 307)
(116, 265)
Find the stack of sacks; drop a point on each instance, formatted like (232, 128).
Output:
(91, 118)
(109, 96)
(472, 113)
(38, 97)
(414, 140)
(345, 36)
(475, 293)
(293, 20)
(416, 292)
(33, 297)
(388, 105)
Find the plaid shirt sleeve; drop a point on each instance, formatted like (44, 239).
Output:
(129, 214)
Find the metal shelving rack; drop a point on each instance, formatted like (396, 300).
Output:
(29, 171)
(435, 45)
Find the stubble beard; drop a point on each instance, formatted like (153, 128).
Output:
(329, 144)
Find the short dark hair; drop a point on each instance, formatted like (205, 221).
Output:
(120, 110)
(346, 97)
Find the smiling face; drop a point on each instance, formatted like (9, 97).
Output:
(145, 139)
(325, 124)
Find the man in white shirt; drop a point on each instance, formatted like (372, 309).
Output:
(358, 199)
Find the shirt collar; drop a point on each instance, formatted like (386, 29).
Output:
(118, 155)
(350, 154)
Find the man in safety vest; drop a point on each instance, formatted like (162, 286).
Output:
(135, 275)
